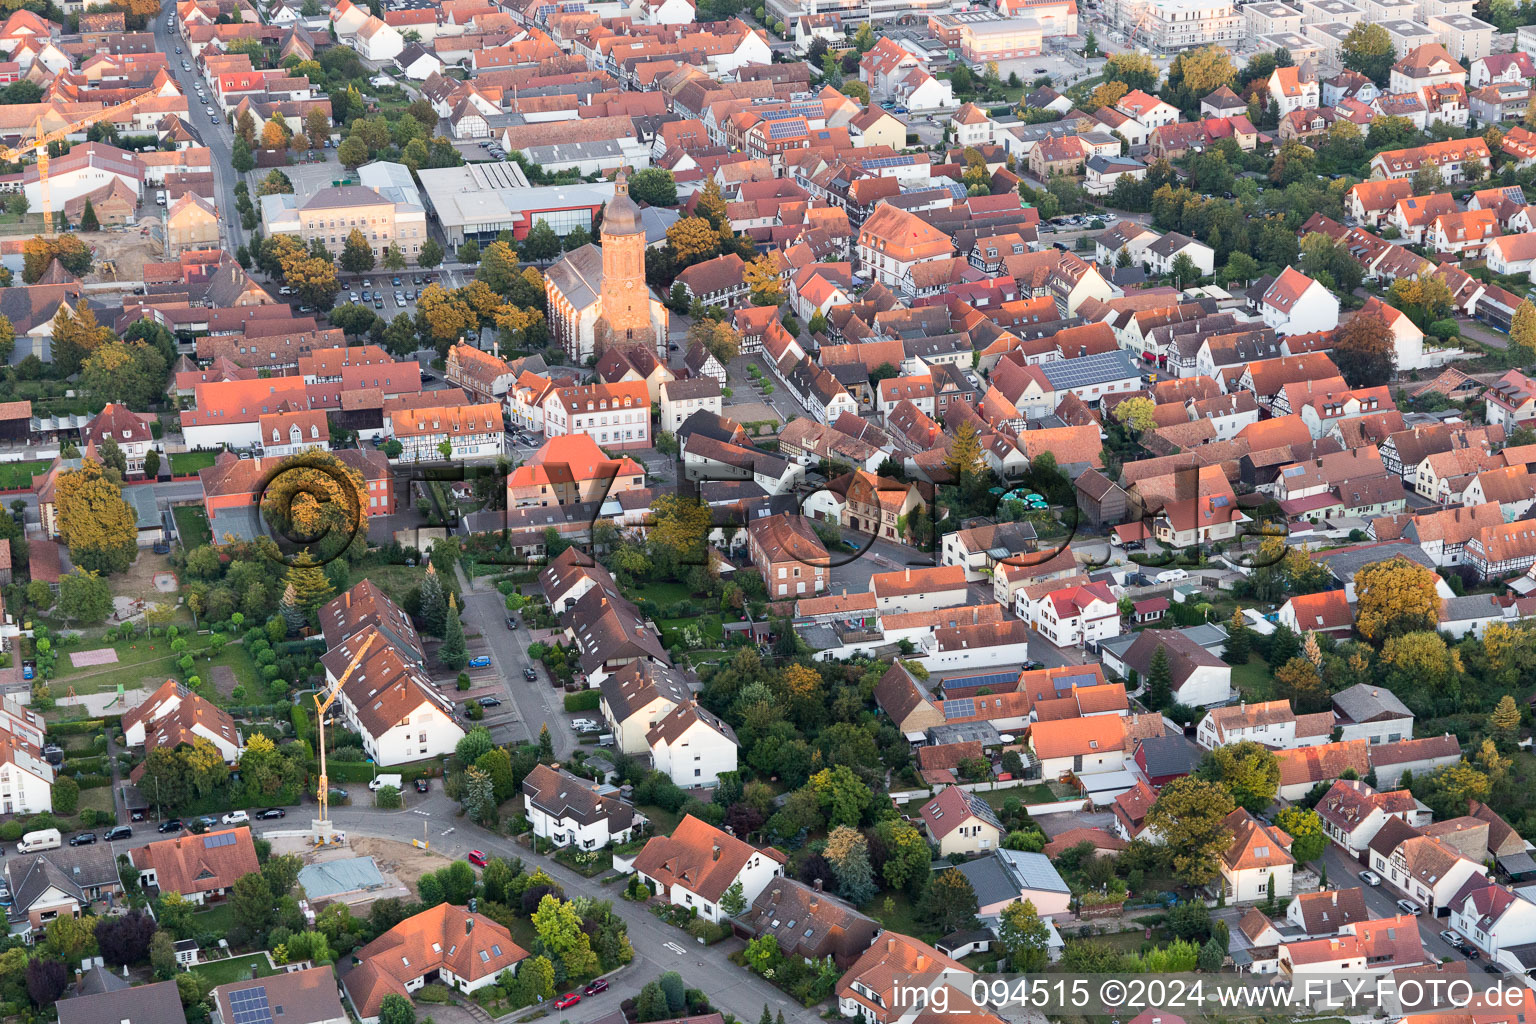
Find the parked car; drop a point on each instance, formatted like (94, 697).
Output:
(236, 818)
(490, 702)
(511, 622)
(476, 858)
(272, 812)
(530, 675)
(5, 896)
(397, 282)
(1409, 907)
(482, 661)
(594, 987)
(171, 825)
(117, 832)
(1472, 952)
(1370, 878)
(1452, 938)
(568, 1000)
(83, 839)
(423, 785)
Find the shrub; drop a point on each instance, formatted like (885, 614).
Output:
(434, 993)
(585, 700)
(387, 797)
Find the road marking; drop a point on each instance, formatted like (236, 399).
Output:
(424, 814)
(450, 829)
(674, 947)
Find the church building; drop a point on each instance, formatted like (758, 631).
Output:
(598, 297)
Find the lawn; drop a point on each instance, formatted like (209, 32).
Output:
(895, 911)
(192, 525)
(1253, 680)
(146, 661)
(1039, 793)
(183, 463)
(398, 580)
(20, 474)
(223, 972)
(662, 821)
(708, 625)
(663, 594)
(217, 919)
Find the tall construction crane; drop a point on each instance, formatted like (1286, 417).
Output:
(42, 140)
(323, 836)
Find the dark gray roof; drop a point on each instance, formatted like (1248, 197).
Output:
(1167, 755)
(1366, 703)
(71, 869)
(147, 1004)
(1347, 561)
(1008, 873)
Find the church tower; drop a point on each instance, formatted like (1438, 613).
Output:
(626, 316)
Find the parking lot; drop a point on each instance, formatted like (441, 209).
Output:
(385, 292)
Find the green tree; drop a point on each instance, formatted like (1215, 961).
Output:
(1305, 827)
(1239, 643)
(453, 653)
(396, 1009)
(734, 902)
(356, 254)
(1522, 334)
(251, 903)
(66, 795)
(1159, 680)
(848, 853)
(84, 597)
(1504, 722)
(242, 160)
(88, 221)
(1025, 939)
(1368, 49)
(653, 186)
(950, 902)
(541, 242)
(431, 254)
(1248, 770)
(1190, 817)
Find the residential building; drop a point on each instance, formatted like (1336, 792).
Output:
(469, 431)
(1260, 854)
(1296, 304)
(390, 701)
(1007, 877)
(572, 811)
(697, 864)
(54, 883)
(1425, 869)
(692, 747)
(961, 822)
(810, 923)
(464, 951)
(1078, 615)
(331, 215)
(1353, 812)
(892, 242)
(616, 416)
(307, 996)
(871, 990)
(173, 715)
(791, 558)
(155, 1003)
(571, 469)
(200, 867)
(1371, 713)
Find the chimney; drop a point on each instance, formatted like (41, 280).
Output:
(716, 851)
(922, 961)
(469, 923)
(254, 975)
(816, 884)
(890, 945)
(909, 574)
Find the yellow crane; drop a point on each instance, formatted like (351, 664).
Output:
(323, 836)
(42, 140)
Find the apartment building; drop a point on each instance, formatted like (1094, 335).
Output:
(1178, 24)
(470, 430)
(614, 415)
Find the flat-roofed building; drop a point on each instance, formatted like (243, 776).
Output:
(987, 36)
(1316, 12)
(1465, 37)
(1178, 24)
(1264, 19)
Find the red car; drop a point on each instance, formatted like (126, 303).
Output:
(476, 858)
(600, 985)
(568, 1000)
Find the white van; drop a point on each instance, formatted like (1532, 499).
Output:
(236, 818)
(380, 781)
(43, 839)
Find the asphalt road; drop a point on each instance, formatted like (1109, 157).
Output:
(217, 134)
(1381, 901)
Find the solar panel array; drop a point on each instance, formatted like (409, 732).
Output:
(986, 679)
(786, 129)
(886, 161)
(249, 1006)
(959, 708)
(1085, 370)
(214, 842)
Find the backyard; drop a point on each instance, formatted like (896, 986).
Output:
(15, 475)
(222, 972)
(150, 662)
(186, 463)
(1253, 680)
(192, 525)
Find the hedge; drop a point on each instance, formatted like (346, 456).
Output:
(346, 771)
(79, 726)
(93, 781)
(584, 700)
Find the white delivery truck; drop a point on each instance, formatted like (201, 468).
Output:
(380, 781)
(43, 839)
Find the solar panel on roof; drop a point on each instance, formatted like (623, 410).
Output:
(249, 1006)
(214, 842)
(786, 129)
(959, 708)
(987, 679)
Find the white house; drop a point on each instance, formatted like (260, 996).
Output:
(692, 746)
(1425, 869)
(1271, 723)
(1258, 853)
(1200, 679)
(1373, 713)
(1353, 813)
(569, 811)
(26, 780)
(391, 703)
(698, 864)
(682, 398)
(920, 590)
(1293, 88)
(1296, 304)
(1493, 919)
(636, 697)
(174, 715)
(1162, 254)
(1079, 746)
(1076, 615)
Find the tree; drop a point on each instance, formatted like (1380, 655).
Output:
(46, 980)
(1504, 722)
(1427, 179)
(1395, 597)
(125, 940)
(1298, 681)
(1184, 270)
(88, 221)
(964, 459)
(1137, 414)
(1240, 267)
(99, 527)
(541, 242)
(906, 855)
(251, 903)
(1522, 334)
(317, 126)
(313, 279)
(396, 1009)
(1159, 680)
(353, 152)
(762, 278)
(653, 186)
(1107, 95)
(242, 160)
(1189, 814)
(452, 653)
(66, 800)
(1305, 827)
(848, 853)
(1239, 643)
(151, 464)
(734, 902)
(84, 597)
(38, 252)
(1136, 70)
(1248, 770)
(75, 337)
(1365, 351)
(1025, 939)
(720, 339)
(1368, 49)
(950, 902)
(356, 254)
(431, 254)
(679, 528)
(442, 316)
(478, 794)
(693, 240)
